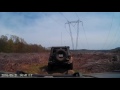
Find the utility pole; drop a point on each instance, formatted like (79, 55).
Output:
(69, 23)
(61, 38)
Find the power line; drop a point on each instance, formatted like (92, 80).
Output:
(61, 38)
(69, 23)
(83, 30)
(52, 18)
(77, 30)
(71, 35)
(81, 21)
(108, 32)
(69, 29)
(77, 15)
(65, 28)
(77, 35)
(56, 22)
(116, 41)
(63, 16)
(115, 34)
(85, 35)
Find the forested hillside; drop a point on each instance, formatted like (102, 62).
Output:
(15, 44)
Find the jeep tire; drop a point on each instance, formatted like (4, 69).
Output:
(50, 67)
(70, 66)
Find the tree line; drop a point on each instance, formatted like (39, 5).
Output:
(15, 44)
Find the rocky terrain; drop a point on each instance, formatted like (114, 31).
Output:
(36, 63)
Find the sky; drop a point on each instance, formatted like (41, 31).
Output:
(99, 30)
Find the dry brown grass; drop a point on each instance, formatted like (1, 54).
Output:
(37, 62)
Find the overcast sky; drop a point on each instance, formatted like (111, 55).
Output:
(101, 29)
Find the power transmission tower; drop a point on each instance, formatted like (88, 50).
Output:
(76, 22)
(61, 38)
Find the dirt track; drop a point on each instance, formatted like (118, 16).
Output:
(37, 63)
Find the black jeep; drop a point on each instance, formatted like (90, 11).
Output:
(60, 56)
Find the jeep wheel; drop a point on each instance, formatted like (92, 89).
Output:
(50, 67)
(71, 66)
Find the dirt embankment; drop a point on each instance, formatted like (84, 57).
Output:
(37, 62)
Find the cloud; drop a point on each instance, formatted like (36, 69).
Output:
(46, 28)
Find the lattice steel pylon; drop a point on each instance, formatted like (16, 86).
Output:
(69, 23)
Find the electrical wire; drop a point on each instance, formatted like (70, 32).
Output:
(115, 35)
(83, 30)
(108, 32)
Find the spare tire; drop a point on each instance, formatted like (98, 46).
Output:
(61, 55)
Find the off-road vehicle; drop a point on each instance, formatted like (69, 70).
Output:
(60, 57)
